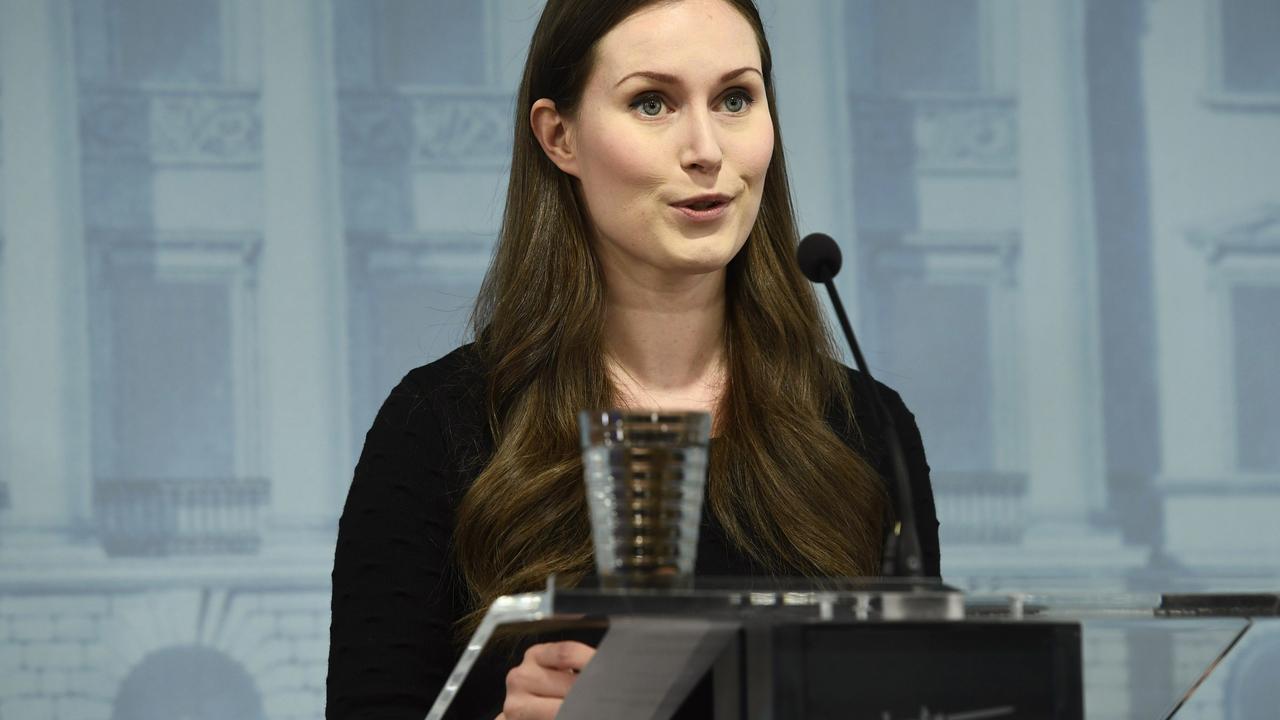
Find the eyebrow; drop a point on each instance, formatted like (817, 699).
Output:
(673, 80)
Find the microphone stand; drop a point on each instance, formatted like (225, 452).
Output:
(902, 542)
(819, 259)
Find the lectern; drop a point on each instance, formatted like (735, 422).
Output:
(880, 649)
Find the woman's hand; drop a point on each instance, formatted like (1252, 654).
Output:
(538, 685)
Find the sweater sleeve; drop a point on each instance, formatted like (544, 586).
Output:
(393, 604)
(918, 476)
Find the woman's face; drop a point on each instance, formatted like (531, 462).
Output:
(674, 110)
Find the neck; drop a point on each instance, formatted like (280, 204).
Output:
(664, 339)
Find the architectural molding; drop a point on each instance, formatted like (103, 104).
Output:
(1231, 485)
(966, 135)
(1254, 233)
(470, 130)
(988, 256)
(171, 516)
(1242, 102)
(981, 507)
(939, 134)
(191, 253)
(418, 254)
(426, 128)
(171, 126)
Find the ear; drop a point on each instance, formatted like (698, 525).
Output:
(554, 134)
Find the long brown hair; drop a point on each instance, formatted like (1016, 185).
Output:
(785, 487)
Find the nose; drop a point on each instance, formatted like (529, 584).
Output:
(701, 151)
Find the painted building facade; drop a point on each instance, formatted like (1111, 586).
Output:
(227, 228)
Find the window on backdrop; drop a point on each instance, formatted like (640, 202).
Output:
(389, 43)
(432, 43)
(928, 46)
(169, 361)
(1250, 45)
(168, 41)
(1256, 311)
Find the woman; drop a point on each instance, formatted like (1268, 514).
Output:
(645, 260)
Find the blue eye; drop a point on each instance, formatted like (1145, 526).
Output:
(648, 105)
(738, 102)
(652, 105)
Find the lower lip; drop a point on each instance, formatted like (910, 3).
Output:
(703, 215)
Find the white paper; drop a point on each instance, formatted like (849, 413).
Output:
(645, 667)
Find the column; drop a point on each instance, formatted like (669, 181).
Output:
(817, 140)
(1059, 287)
(44, 370)
(813, 109)
(301, 272)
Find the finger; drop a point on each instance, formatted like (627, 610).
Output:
(567, 655)
(525, 707)
(540, 681)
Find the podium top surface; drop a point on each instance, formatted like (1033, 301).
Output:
(872, 599)
(1200, 621)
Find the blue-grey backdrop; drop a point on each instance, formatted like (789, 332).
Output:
(227, 227)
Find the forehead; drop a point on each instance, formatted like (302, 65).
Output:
(691, 39)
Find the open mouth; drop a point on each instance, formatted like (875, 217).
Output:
(705, 205)
(704, 210)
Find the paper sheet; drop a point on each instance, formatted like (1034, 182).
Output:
(645, 667)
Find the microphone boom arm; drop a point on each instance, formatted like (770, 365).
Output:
(819, 258)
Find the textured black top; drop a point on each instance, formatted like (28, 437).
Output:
(396, 590)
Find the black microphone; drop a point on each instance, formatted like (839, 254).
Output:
(819, 258)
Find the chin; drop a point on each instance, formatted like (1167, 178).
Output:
(702, 263)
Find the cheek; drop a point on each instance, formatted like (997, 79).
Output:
(757, 153)
(617, 169)
(754, 155)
